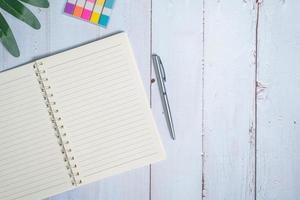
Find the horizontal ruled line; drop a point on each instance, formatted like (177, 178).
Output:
(14, 80)
(78, 58)
(120, 164)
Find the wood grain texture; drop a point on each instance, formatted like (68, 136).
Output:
(1, 58)
(31, 42)
(211, 82)
(64, 31)
(177, 38)
(229, 96)
(278, 128)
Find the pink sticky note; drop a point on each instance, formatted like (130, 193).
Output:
(86, 14)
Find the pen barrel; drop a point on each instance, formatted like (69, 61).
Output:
(163, 94)
(168, 116)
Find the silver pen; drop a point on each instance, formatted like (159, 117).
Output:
(161, 79)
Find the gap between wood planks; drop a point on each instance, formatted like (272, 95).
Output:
(258, 88)
(203, 192)
(257, 85)
(152, 80)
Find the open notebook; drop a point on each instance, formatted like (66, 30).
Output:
(74, 118)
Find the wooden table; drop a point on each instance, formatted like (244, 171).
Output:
(233, 77)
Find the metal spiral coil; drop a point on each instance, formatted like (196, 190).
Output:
(57, 124)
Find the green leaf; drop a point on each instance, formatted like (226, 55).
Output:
(38, 3)
(7, 38)
(18, 10)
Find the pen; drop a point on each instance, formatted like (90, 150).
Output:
(161, 79)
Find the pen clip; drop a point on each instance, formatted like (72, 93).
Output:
(162, 69)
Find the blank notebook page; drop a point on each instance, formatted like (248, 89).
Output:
(31, 164)
(104, 108)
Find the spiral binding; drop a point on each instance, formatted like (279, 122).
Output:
(58, 126)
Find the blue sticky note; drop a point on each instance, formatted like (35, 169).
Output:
(104, 20)
(109, 3)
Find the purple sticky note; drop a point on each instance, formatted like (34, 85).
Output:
(69, 8)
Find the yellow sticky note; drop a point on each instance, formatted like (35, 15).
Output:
(95, 18)
(100, 2)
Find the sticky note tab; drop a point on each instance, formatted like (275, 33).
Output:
(109, 3)
(78, 11)
(70, 5)
(104, 20)
(95, 18)
(105, 15)
(86, 14)
(95, 11)
(100, 2)
(88, 9)
(79, 8)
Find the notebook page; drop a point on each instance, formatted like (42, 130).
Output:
(31, 164)
(104, 108)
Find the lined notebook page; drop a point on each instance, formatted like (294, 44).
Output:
(31, 165)
(104, 108)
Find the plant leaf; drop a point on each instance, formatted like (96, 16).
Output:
(7, 38)
(37, 3)
(18, 10)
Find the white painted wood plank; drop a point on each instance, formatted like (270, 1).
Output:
(67, 32)
(134, 18)
(1, 57)
(177, 38)
(278, 155)
(229, 140)
(31, 42)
